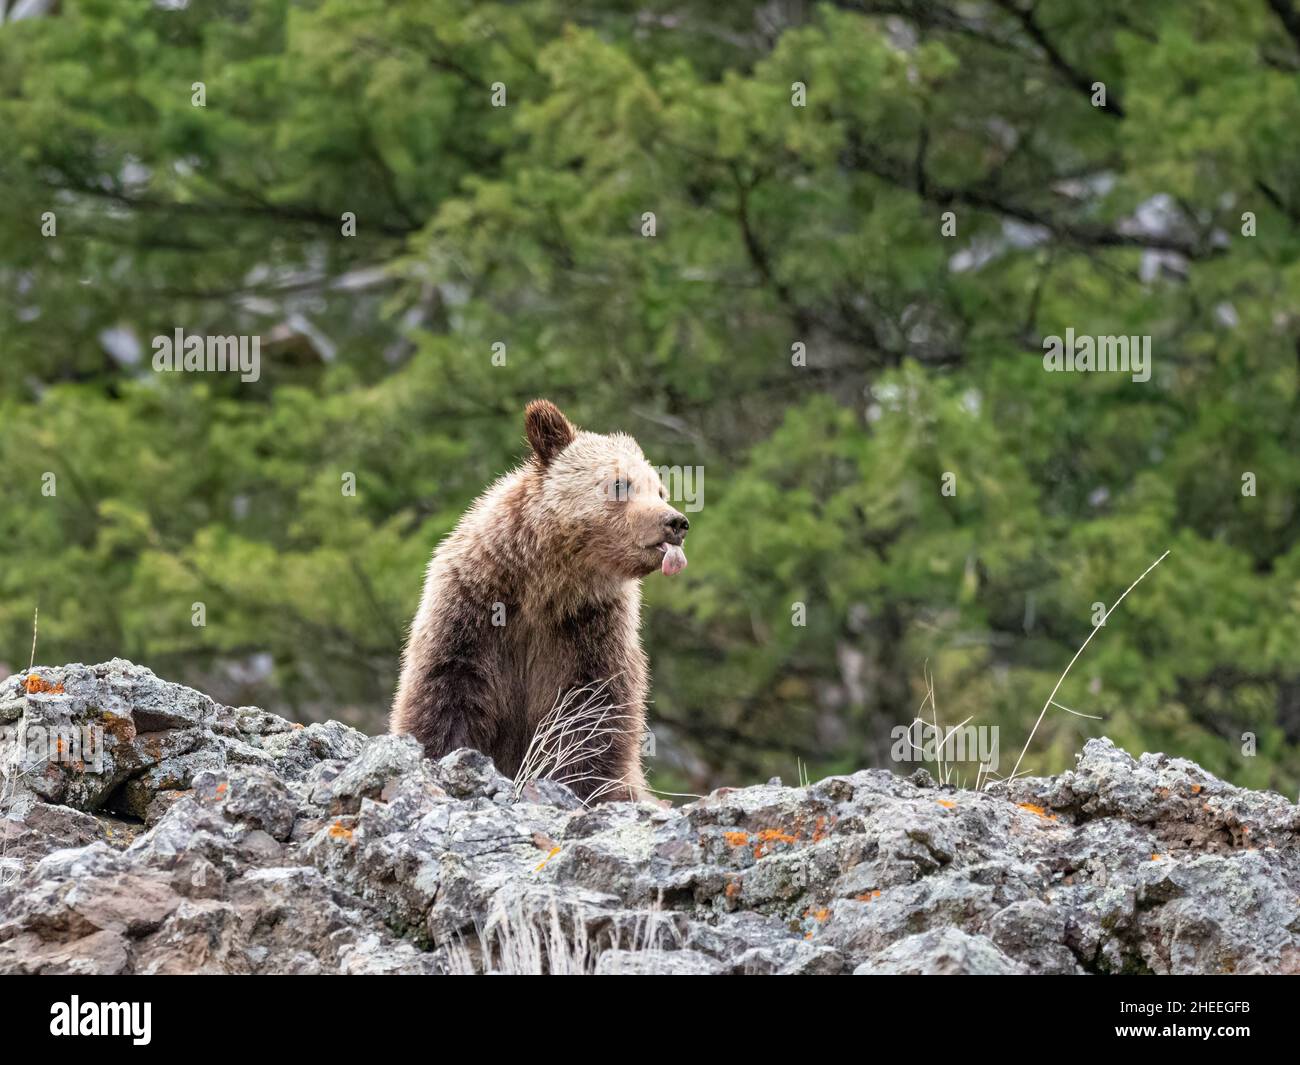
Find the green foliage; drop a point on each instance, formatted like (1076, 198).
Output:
(776, 225)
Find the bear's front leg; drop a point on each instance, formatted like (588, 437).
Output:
(605, 710)
(447, 695)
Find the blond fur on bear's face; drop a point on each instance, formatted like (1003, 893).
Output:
(601, 496)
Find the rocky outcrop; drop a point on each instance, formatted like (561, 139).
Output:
(149, 830)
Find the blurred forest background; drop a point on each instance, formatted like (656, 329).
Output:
(777, 225)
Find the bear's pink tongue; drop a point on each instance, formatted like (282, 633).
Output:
(674, 559)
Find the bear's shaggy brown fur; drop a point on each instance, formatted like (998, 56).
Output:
(536, 594)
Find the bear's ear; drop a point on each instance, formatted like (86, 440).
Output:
(549, 431)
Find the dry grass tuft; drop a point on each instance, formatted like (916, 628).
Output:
(577, 730)
(536, 935)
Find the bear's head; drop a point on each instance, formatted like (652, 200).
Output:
(601, 500)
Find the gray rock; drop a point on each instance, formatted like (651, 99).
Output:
(383, 765)
(468, 774)
(85, 730)
(940, 952)
(657, 963)
(1034, 934)
(227, 840)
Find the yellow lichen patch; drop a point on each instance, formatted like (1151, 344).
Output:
(542, 865)
(949, 804)
(340, 831)
(736, 839)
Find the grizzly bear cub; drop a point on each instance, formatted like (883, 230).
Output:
(531, 612)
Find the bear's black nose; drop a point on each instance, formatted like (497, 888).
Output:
(678, 523)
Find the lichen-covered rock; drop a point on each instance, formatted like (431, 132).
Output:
(940, 952)
(115, 737)
(85, 730)
(383, 765)
(227, 840)
(468, 774)
(1182, 804)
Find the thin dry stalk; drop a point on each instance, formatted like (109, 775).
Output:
(1082, 647)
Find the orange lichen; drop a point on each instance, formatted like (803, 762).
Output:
(1037, 811)
(772, 835)
(542, 865)
(946, 803)
(340, 831)
(222, 788)
(819, 830)
(733, 889)
(39, 686)
(1196, 789)
(736, 839)
(820, 916)
(867, 896)
(1155, 857)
